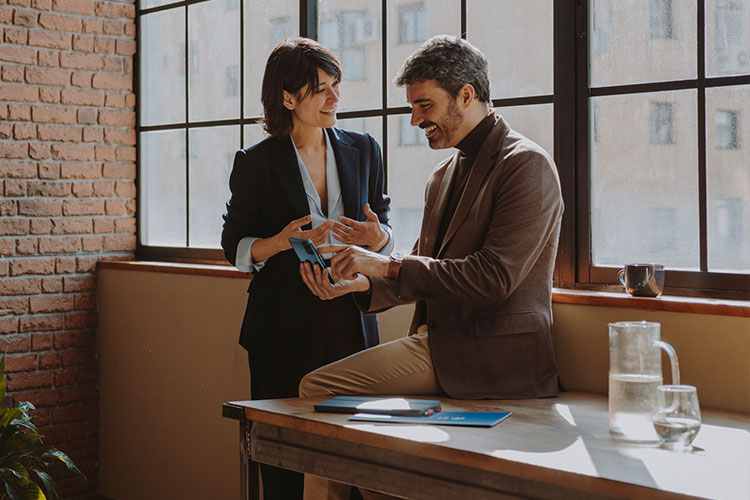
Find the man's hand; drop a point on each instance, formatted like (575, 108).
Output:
(350, 261)
(367, 234)
(316, 280)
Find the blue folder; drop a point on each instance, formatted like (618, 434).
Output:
(466, 418)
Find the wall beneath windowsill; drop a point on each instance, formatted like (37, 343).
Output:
(169, 358)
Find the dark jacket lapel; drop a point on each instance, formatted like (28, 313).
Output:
(285, 167)
(429, 233)
(483, 163)
(347, 164)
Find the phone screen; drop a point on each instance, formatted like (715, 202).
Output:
(306, 252)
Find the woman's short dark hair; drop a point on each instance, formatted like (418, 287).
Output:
(451, 62)
(292, 64)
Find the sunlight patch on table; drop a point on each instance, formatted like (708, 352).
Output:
(574, 458)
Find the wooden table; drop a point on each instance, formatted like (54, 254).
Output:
(549, 448)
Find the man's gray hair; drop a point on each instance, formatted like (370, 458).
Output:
(451, 62)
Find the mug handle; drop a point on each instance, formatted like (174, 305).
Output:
(620, 278)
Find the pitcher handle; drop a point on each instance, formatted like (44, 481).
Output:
(672, 360)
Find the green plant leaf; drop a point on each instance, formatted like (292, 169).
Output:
(8, 415)
(55, 453)
(49, 484)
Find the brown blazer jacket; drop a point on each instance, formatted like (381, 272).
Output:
(485, 293)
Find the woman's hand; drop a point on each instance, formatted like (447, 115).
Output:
(368, 234)
(317, 281)
(268, 247)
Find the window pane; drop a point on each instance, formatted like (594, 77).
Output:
(214, 60)
(728, 166)
(635, 41)
(727, 37)
(410, 23)
(253, 134)
(372, 125)
(162, 188)
(409, 167)
(644, 192)
(517, 40)
(351, 29)
(211, 155)
(267, 23)
(535, 122)
(147, 4)
(162, 68)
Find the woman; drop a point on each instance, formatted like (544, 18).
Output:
(307, 180)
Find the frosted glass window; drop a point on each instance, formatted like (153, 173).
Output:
(372, 125)
(214, 60)
(644, 196)
(162, 68)
(727, 37)
(728, 173)
(163, 188)
(535, 122)
(637, 41)
(212, 152)
(517, 39)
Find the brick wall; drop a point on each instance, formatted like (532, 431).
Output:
(67, 180)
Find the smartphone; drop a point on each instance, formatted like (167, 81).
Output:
(306, 252)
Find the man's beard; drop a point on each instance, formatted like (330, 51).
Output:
(447, 124)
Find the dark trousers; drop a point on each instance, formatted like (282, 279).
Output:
(335, 332)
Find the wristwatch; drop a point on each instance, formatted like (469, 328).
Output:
(394, 265)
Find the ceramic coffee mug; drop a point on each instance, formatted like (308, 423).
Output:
(642, 280)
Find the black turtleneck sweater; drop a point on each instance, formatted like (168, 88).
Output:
(468, 148)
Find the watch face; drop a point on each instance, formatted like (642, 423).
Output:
(397, 256)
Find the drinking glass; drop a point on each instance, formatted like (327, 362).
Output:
(677, 419)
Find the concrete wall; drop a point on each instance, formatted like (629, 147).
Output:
(169, 358)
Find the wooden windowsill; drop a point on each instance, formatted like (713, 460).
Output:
(719, 307)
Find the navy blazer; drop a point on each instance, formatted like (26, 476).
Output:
(267, 194)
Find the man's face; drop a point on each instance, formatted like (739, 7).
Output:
(436, 112)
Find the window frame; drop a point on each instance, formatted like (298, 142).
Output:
(572, 141)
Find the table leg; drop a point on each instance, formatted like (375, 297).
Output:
(249, 470)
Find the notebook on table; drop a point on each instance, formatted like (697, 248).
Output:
(416, 408)
(465, 418)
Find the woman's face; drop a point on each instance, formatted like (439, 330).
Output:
(318, 108)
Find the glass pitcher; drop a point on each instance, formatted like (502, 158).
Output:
(634, 374)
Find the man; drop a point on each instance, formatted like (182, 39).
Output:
(480, 272)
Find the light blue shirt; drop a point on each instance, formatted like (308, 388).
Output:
(245, 261)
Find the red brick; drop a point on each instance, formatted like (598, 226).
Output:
(13, 151)
(87, 116)
(114, 100)
(7, 208)
(81, 171)
(104, 153)
(103, 225)
(19, 55)
(40, 226)
(51, 303)
(12, 74)
(114, 28)
(7, 247)
(18, 93)
(29, 380)
(75, 413)
(83, 207)
(83, 43)
(104, 45)
(115, 207)
(82, 189)
(92, 26)
(66, 376)
(6, 15)
(47, 188)
(76, 431)
(20, 286)
(20, 267)
(3, 272)
(69, 339)
(85, 7)
(125, 47)
(16, 36)
(81, 97)
(60, 133)
(15, 343)
(87, 374)
(85, 265)
(50, 360)
(119, 171)
(40, 399)
(117, 118)
(65, 265)
(93, 134)
(72, 226)
(75, 321)
(39, 207)
(52, 285)
(50, 114)
(26, 246)
(130, 208)
(91, 62)
(119, 243)
(5, 130)
(72, 152)
(130, 30)
(41, 323)
(114, 10)
(130, 101)
(58, 22)
(105, 189)
(49, 58)
(91, 244)
(79, 283)
(81, 79)
(7, 325)
(70, 395)
(24, 132)
(49, 95)
(41, 4)
(14, 226)
(50, 40)
(24, 18)
(14, 305)
(112, 82)
(75, 357)
(115, 64)
(15, 188)
(21, 363)
(49, 170)
(63, 244)
(19, 112)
